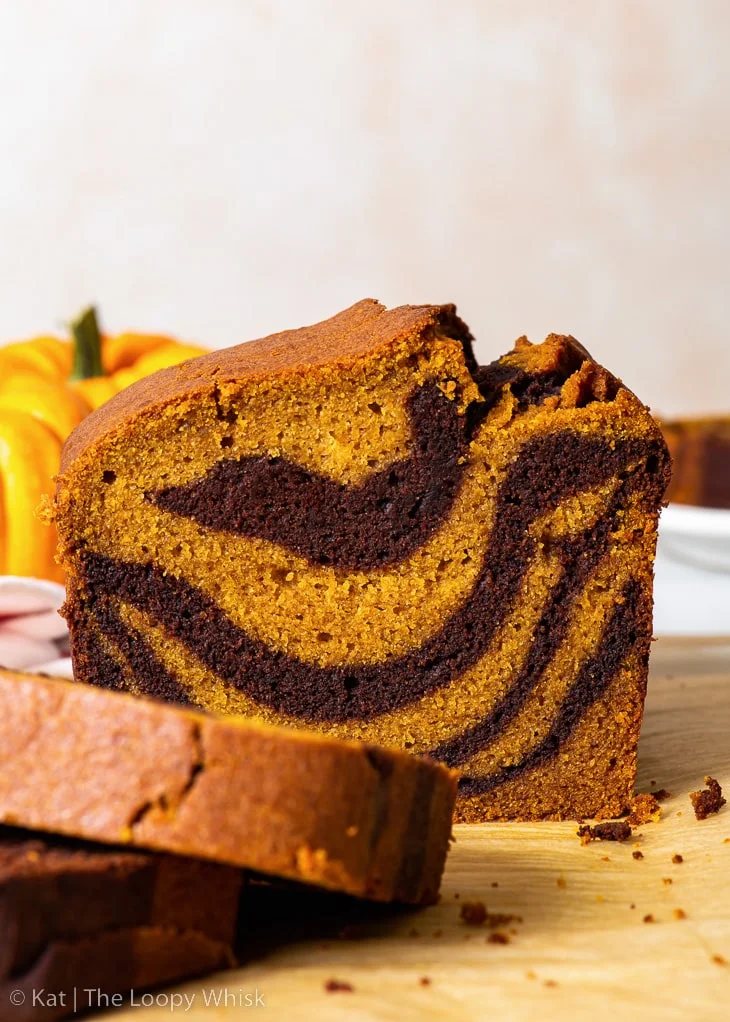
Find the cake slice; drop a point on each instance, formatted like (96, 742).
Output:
(107, 767)
(78, 922)
(355, 529)
(700, 450)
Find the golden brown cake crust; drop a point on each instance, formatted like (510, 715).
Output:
(79, 761)
(342, 340)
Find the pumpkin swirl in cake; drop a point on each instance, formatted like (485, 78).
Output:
(354, 528)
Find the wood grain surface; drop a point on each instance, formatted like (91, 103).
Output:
(581, 948)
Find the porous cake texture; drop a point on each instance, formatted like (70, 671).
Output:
(355, 529)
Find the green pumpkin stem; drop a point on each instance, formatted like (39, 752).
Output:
(87, 346)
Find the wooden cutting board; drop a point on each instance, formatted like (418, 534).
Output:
(581, 948)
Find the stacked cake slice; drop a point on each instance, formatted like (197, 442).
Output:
(188, 803)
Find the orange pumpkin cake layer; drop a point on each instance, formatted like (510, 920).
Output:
(355, 529)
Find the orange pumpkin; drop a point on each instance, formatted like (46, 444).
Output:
(47, 386)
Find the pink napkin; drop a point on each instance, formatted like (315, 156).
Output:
(33, 636)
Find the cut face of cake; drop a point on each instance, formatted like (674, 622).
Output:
(353, 528)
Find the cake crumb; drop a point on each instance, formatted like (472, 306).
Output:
(495, 884)
(632, 905)
(498, 937)
(644, 809)
(561, 881)
(661, 794)
(677, 858)
(679, 913)
(474, 913)
(530, 974)
(726, 841)
(707, 801)
(496, 919)
(549, 983)
(719, 960)
(338, 986)
(667, 880)
(425, 981)
(637, 854)
(648, 918)
(613, 830)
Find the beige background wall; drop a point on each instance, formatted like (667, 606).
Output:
(221, 168)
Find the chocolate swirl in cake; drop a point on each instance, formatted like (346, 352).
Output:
(548, 470)
(358, 527)
(378, 523)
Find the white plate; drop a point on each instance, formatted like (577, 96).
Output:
(697, 535)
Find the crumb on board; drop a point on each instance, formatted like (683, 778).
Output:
(561, 881)
(612, 830)
(637, 854)
(707, 801)
(497, 919)
(677, 858)
(632, 905)
(644, 809)
(605, 858)
(719, 960)
(648, 918)
(549, 983)
(425, 981)
(498, 937)
(338, 986)
(666, 880)
(474, 913)
(679, 913)
(494, 883)
(530, 974)
(661, 794)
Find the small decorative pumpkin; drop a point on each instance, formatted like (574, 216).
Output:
(47, 386)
